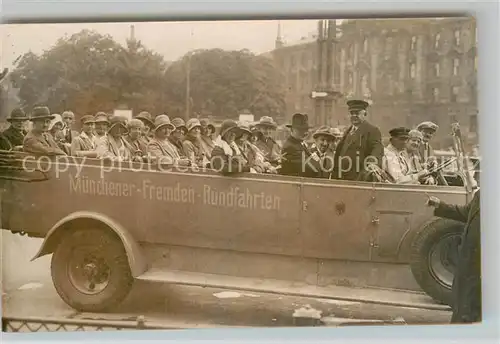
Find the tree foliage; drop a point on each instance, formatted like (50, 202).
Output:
(223, 83)
(89, 72)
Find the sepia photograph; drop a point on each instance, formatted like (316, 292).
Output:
(228, 174)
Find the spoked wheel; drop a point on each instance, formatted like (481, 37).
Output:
(90, 270)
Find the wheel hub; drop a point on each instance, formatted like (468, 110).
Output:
(88, 273)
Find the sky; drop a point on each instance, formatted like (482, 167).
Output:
(171, 39)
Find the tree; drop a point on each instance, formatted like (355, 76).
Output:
(222, 83)
(89, 72)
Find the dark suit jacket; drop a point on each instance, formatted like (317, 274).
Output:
(297, 161)
(355, 148)
(467, 280)
(11, 138)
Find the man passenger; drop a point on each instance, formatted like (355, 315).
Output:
(37, 140)
(297, 160)
(323, 139)
(428, 130)
(68, 118)
(84, 145)
(12, 138)
(395, 163)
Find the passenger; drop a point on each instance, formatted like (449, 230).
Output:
(56, 131)
(226, 156)
(113, 146)
(160, 148)
(84, 145)
(101, 122)
(395, 163)
(251, 153)
(37, 140)
(360, 151)
(266, 143)
(135, 129)
(323, 139)
(178, 135)
(192, 144)
(337, 133)
(412, 156)
(12, 138)
(428, 130)
(297, 160)
(147, 133)
(256, 134)
(207, 140)
(68, 118)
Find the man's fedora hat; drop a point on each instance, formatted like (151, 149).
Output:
(266, 121)
(162, 121)
(299, 120)
(17, 115)
(41, 113)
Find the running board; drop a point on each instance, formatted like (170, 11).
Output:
(366, 295)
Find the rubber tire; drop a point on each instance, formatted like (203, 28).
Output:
(120, 281)
(420, 253)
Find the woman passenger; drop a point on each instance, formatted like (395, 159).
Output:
(226, 156)
(192, 144)
(160, 147)
(56, 132)
(252, 153)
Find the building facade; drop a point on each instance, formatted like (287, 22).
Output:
(412, 70)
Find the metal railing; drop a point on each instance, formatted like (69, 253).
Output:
(32, 324)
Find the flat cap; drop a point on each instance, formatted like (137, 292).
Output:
(428, 125)
(399, 132)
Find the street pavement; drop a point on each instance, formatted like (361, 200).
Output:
(28, 291)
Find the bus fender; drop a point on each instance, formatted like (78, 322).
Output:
(136, 258)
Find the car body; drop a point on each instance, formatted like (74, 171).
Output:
(272, 233)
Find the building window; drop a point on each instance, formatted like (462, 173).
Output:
(413, 42)
(475, 63)
(473, 124)
(457, 37)
(436, 69)
(475, 33)
(435, 94)
(454, 93)
(388, 44)
(456, 65)
(365, 46)
(413, 71)
(364, 86)
(437, 40)
(453, 118)
(350, 79)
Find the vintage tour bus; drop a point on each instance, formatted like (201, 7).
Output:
(108, 224)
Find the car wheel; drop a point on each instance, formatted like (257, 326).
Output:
(434, 257)
(90, 270)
